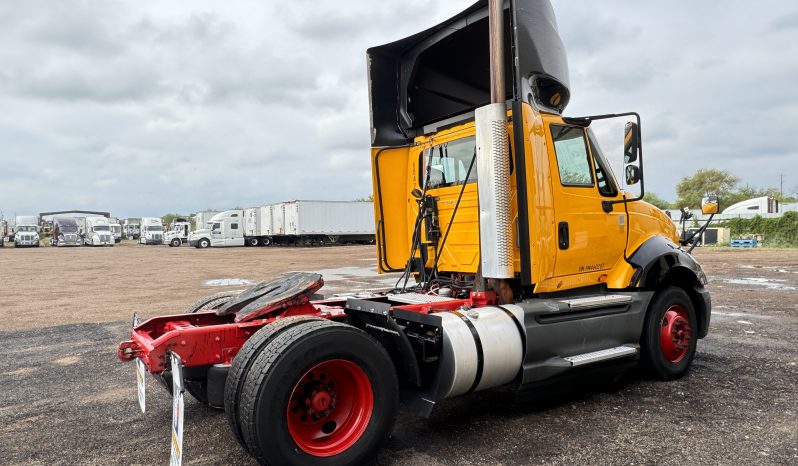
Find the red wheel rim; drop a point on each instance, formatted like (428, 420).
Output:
(330, 407)
(675, 333)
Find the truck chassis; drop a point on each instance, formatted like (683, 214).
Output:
(326, 375)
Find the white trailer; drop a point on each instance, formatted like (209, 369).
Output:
(222, 230)
(201, 219)
(325, 222)
(26, 231)
(258, 225)
(151, 230)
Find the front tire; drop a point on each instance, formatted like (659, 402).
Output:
(203, 243)
(175, 243)
(320, 393)
(669, 334)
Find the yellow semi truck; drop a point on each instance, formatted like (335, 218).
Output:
(522, 263)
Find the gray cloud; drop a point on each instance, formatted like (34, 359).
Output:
(145, 108)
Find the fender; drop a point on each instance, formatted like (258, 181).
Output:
(659, 262)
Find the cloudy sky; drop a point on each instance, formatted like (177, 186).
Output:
(149, 107)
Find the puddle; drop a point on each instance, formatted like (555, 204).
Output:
(769, 283)
(228, 282)
(775, 269)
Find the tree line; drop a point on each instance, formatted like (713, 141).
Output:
(691, 189)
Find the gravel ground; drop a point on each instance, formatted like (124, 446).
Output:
(66, 399)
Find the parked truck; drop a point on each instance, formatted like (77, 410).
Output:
(3, 232)
(151, 230)
(222, 230)
(116, 229)
(554, 277)
(131, 229)
(26, 231)
(179, 231)
(97, 232)
(202, 218)
(65, 232)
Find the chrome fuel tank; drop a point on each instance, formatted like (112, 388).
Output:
(482, 348)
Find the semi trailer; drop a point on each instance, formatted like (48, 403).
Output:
(525, 267)
(26, 231)
(151, 230)
(65, 232)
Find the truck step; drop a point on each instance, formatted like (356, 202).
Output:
(596, 301)
(601, 355)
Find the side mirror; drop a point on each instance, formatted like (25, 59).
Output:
(416, 193)
(709, 204)
(632, 174)
(631, 143)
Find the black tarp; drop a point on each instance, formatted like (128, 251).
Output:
(443, 72)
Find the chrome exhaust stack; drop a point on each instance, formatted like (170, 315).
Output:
(493, 162)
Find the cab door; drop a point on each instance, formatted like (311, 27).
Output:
(217, 234)
(589, 240)
(235, 233)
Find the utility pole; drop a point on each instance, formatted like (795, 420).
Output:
(781, 185)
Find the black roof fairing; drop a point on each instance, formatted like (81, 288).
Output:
(443, 71)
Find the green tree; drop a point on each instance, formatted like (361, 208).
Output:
(370, 198)
(692, 188)
(656, 201)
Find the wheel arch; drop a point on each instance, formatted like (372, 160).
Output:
(660, 263)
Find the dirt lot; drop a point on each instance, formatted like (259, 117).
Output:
(66, 399)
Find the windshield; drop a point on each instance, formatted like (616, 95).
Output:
(101, 228)
(68, 228)
(154, 228)
(116, 228)
(26, 228)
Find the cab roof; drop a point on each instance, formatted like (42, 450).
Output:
(441, 74)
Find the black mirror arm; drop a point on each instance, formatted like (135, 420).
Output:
(585, 121)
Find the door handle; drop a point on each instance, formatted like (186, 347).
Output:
(562, 235)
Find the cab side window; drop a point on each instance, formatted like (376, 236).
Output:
(573, 159)
(449, 163)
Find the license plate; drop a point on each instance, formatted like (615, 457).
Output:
(141, 383)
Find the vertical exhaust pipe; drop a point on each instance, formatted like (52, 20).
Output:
(493, 161)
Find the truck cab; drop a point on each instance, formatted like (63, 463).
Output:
(97, 232)
(179, 231)
(65, 232)
(223, 229)
(131, 229)
(151, 231)
(26, 231)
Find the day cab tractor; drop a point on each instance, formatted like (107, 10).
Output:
(522, 264)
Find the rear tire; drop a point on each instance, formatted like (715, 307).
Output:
(669, 334)
(320, 393)
(243, 361)
(212, 302)
(253, 241)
